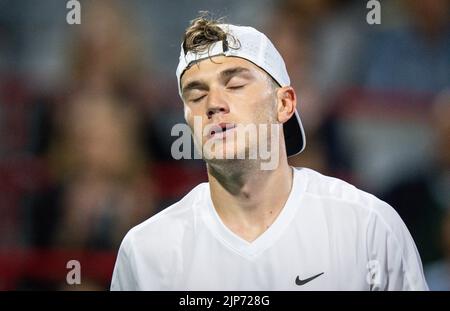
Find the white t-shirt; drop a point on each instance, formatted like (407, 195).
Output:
(328, 236)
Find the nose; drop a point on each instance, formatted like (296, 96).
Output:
(216, 104)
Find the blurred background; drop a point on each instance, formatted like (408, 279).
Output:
(86, 113)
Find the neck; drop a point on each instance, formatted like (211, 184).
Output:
(244, 197)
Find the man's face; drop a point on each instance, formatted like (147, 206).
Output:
(223, 92)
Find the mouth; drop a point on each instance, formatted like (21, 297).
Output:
(221, 130)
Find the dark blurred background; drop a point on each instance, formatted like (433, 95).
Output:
(86, 113)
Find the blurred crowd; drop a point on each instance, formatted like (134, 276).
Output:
(85, 135)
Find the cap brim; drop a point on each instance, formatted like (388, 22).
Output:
(294, 135)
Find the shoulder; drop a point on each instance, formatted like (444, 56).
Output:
(151, 248)
(335, 189)
(339, 196)
(383, 233)
(167, 225)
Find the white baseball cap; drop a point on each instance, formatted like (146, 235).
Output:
(250, 44)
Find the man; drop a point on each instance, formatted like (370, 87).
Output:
(256, 228)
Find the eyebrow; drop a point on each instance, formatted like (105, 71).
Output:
(225, 75)
(228, 73)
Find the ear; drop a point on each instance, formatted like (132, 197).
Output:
(287, 102)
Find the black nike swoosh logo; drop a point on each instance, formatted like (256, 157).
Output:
(303, 282)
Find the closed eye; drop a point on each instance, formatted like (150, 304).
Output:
(198, 98)
(236, 87)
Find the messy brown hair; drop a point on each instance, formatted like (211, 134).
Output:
(204, 31)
